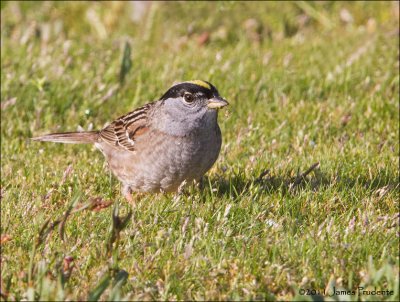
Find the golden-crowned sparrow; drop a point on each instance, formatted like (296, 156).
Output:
(163, 144)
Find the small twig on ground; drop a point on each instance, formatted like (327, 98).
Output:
(300, 178)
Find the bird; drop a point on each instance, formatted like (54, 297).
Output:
(162, 145)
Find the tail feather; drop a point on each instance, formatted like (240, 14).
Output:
(86, 137)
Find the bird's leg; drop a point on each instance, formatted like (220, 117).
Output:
(127, 192)
(200, 183)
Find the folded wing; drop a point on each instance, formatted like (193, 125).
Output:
(124, 131)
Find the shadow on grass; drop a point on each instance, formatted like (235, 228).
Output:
(313, 179)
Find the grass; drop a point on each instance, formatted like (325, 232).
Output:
(307, 82)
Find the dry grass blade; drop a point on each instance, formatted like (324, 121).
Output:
(112, 91)
(66, 174)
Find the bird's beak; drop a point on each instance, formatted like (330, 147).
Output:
(216, 103)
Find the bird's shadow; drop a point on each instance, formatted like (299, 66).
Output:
(313, 179)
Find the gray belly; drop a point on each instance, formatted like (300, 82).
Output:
(161, 162)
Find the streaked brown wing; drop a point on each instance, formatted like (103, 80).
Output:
(123, 131)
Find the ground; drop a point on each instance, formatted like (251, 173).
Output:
(303, 198)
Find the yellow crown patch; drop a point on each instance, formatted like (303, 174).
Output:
(200, 83)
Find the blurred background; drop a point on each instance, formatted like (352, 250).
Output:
(251, 51)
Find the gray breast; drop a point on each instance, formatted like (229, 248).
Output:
(162, 162)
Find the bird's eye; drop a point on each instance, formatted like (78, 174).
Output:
(188, 97)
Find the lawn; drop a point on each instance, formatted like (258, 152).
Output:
(303, 202)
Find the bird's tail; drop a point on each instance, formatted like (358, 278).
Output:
(86, 137)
